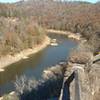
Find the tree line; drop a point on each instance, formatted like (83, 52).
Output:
(77, 17)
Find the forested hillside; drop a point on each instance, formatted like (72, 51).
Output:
(77, 17)
(73, 16)
(16, 32)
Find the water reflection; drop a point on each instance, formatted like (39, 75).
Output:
(35, 64)
(8, 77)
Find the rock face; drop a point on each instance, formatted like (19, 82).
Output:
(89, 83)
(94, 78)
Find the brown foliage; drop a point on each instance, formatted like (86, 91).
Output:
(18, 34)
(80, 57)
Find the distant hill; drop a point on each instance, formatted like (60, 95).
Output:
(82, 17)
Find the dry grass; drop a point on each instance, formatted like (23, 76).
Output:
(80, 57)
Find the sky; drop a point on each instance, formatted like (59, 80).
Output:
(10, 1)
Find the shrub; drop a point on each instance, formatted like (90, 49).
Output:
(19, 34)
(43, 89)
(80, 57)
(94, 42)
(82, 54)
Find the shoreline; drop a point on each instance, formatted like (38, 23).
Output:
(8, 59)
(70, 35)
(25, 53)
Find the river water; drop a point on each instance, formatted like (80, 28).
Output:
(35, 64)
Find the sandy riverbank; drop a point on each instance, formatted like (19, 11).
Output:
(67, 33)
(7, 60)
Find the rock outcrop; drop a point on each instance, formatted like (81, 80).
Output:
(89, 82)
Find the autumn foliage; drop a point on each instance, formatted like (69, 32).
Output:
(20, 20)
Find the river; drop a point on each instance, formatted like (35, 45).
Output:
(35, 64)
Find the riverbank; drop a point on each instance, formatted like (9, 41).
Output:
(67, 33)
(7, 60)
(46, 59)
